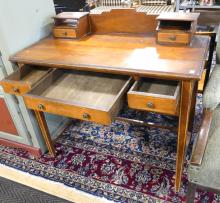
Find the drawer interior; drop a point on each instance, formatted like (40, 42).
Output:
(175, 25)
(94, 90)
(29, 74)
(24, 79)
(156, 87)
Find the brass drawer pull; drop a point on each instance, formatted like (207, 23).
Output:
(150, 105)
(86, 116)
(41, 107)
(172, 38)
(65, 33)
(16, 90)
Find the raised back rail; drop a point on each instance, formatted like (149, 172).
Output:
(123, 21)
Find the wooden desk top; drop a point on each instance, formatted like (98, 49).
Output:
(122, 54)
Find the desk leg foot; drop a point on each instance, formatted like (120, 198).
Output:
(45, 132)
(185, 107)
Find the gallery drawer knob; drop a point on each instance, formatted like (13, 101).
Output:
(150, 105)
(86, 116)
(41, 107)
(16, 90)
(172, 38)
(65, 33)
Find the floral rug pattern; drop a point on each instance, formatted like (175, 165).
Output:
(115, 162)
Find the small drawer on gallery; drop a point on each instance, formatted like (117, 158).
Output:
(24, 79)
(155, 95)
(82, 95)
(173, 38)
(64, 32)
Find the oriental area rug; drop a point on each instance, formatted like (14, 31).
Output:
(115, 162)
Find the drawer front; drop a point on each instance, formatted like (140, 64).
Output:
(64, 33)
(23, 79)
(153, 102)
(85, 96)
(68, 110)
(173, 38)
(14, 87)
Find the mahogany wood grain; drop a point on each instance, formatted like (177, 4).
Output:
(85, 96)
(184, 112)
(45, 132)
(123, 20)
(155, 95)
(121, 54)
(202, 139)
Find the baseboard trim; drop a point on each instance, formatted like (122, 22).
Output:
(33, 150)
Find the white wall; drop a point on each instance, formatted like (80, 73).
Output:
(22, 23)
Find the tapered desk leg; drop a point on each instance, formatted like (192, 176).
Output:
(45, 132)
(185, 107)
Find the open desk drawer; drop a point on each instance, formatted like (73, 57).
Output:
(23, 79)
(154, 95)
(88, 96)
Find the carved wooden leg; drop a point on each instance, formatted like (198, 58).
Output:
(193, 105)
(45, 132)
(191, 193)
(185, 106)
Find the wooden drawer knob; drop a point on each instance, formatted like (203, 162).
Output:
(150, 105)
(16, 90)
(172, 38)
(86, 116)
(41, 107)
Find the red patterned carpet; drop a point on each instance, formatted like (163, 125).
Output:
(114, 162)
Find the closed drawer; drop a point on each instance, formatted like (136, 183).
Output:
(155, 95)
(87, 96)
(24, 79)
(64, 33)
(173, 38)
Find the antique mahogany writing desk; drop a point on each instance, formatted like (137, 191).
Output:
(89, 78)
